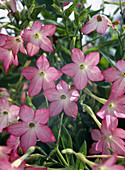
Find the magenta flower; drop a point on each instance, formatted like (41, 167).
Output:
(32, 127)
(7, 113)
(4, 151)
(36, 37)
(118, 77)
(62, 98)
(8, 58)
(109, 164)
(109, 137)
(3, 39)
(98, 23)
(115, 107)
(14, 143)
(43, 77)
(15, 44)
(6, 165)
(83, 68)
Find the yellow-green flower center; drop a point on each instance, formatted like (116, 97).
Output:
(31, 125)
(63, 96)
(36, 35)
(123, 74)
(42, 73)
(18, 40)
(82, 66)
(5, 112)
(111, 105)
(99, 18)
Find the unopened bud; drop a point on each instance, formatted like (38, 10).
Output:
(117, 22)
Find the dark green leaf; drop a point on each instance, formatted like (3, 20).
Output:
(69, 10)
(84, 14)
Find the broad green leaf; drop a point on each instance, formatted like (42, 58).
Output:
(70, 9)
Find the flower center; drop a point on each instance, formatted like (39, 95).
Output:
(123, 74)
(31, 125)
(5, 112)
(111, 105)
(63, 96)
(36, 35)
(99, 18)
(82, 66)
(18, 40)
(42, 73)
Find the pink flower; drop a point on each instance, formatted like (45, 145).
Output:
(8, 58)
(36, 37)
(66, 3)
(98, 23)
(23, 96)
(6, 165)
(12, 3)
(32, 127)
(43, 77)
(4, 150)
(118, 77)
(3, 39)
(109, 137)
(4, 93)
(14, 143)
(35, 168)
(115, 107)
(109, 164)
(83, 68)
(15, 44)
(7, 113)
(62, 98)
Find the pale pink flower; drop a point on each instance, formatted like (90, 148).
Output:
(14, 143)
(7, 56)
(7, 113)
(115, 106)
(4, 151)
(12, 3)
(97, 22)
(109, 164)
(32, 127)
(4, 93)
(3, 39)
(109, 137)
(43, 77)
(36, 37)
(15, 44)
(83, 68)
(62, 99)
(118, 77)
(23, 96)
(6, 165)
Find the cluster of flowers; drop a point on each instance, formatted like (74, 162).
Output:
(83, 68)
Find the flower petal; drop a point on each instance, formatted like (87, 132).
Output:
(71, 109)
(92, 59)
(70, 69)
(121, 65)
(96, 134)
(111, 74)
(46, 44)
(48, 30)
(41, 116)
(77, 56)
(52, 94)
(62, 86)
(32, 49)
(94, 73)
(55, 108)
(26, 113)
(42, 63)
(29, 72)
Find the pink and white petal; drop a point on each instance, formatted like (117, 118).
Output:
(44, 133)
(119, 86)
(30, 72)
(22, 49)
(4, 105)
(15, 60)
(71, 109)
(46, 44)
(53, 73)
(48, 83)
(96, 134)
(92, 59)
(3, 53)
(3, 121)
(55, 108)
(120, 111)
(120, 133)
(42, 63)
(106, 146)
(7, 62)
(80, 80)
(36, 26)
(99, 144)
(77, 56)
(70, 69)
(111, 123)
(51, 94)
(20, 127)
(32, 49)
(48, 30)
(102, 26)
(13, 5)
(3, 39)
(121, 65)
(26, 34)
(62, 86)
(90, 26)
(13, 113)
(28, 139)
(111, 160)
(13, 142)
(35, 86)
(92, 149)
(73, 95)
(103, 112)
(26, 113)
(111, 74)
(41, 116)
(94, 73)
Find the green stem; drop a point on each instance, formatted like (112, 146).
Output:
(58, 138)
(105, 156)
(62, 158)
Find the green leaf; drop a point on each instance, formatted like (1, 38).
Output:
(83, 148)
(118, 54)
(114, 3)
(37, 10)
(69, 10)
(111, 151)
(67, 143)
(83, 15)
